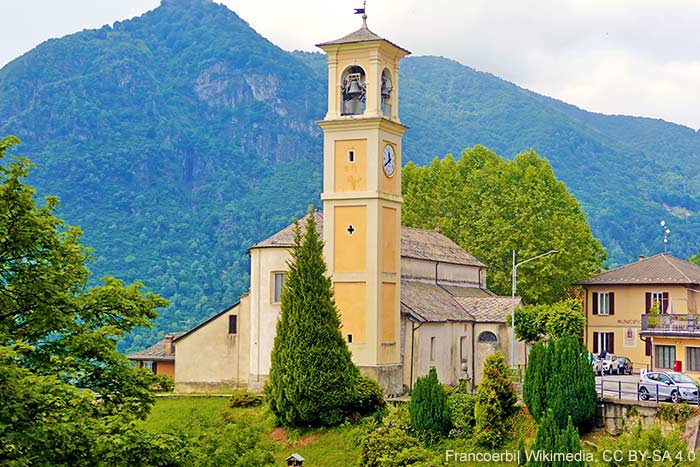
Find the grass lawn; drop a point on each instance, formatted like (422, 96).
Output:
(191, 415)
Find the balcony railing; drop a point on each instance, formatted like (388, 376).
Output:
(671, 324)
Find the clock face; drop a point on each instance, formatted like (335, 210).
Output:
(389, 160)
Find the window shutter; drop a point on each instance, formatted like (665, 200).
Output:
(611, 303)
(595, 303)
(647, 347)
(595, 342)
(648, 302)
(664, 305)
(611, 342)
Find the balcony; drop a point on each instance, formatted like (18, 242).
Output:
(671, 325)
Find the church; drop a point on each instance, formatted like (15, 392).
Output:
(409, 299)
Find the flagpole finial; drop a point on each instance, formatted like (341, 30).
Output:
(363, 11)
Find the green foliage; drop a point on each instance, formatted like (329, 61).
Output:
(662, 449)
(495, 402)
(168, 106)
(390, 444)
(491, 207)
(560, 441)
(245, 399)
(164, 383)
(428, 406)
(370, 396)
(562, 318)
(560, 378)
(313, 381)
(460, 408)
(677, 413)
(68, 397)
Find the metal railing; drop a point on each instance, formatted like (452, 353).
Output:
(630, 390)
(665, 323)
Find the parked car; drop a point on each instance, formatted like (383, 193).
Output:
(610, 364)
(669, 384)
(624, 366)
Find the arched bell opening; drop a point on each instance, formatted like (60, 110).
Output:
(353, 90)
(387, 93)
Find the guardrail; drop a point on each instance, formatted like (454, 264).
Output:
(629, 390)
(667, 323)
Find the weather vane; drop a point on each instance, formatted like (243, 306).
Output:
(666, 231)
(362, 11)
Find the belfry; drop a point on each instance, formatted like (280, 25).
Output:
(362, 198)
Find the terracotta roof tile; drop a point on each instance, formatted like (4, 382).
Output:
(361, 35)
(488, 309)
(430, 302)
(415, 243)
(657, 269)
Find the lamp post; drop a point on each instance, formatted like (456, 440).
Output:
(512, 312)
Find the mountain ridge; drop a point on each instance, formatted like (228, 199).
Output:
(176, 140)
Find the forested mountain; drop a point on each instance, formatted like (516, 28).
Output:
(180, 138)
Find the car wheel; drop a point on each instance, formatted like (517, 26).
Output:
(675, 397)
(643, 394)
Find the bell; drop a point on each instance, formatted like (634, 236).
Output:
(354, 89)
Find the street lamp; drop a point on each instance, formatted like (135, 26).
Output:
(515, 278)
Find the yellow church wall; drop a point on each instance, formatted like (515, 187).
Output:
(349, 253)
(388, 315)
(390, 226)
(350, 298)
(350, 175)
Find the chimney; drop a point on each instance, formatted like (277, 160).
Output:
(169, 349)
(641, 257)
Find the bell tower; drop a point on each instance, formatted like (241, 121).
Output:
(362, 198)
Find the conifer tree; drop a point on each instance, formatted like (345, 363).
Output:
(428, 406)
(569, 441)
(312, 377)
(545, 441)
(495, 401)
(536, 377)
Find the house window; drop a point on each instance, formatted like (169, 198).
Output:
(692, 358)
(278, 284)
(487, 336)
(603, 341)
(665, 355)
(233, 324)
(150, 365)
(432, 348)
(657, 297)
(603, 303)
(351, 156)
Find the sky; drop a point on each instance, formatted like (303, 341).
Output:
(631, 57)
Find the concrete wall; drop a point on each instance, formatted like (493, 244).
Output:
(211, 359)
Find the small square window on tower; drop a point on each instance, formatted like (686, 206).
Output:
(349, 338)
(351, 156)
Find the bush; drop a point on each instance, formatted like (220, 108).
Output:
(460, 408)
(495, 402)
(245, 399)
(559, 377)
(370, 396)
(163, 383)
(390, 444)
(428, 406)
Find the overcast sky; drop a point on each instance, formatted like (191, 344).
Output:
(633, 57)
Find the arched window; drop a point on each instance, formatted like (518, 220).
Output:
(387, 88)
(487, 336)
(353, 90)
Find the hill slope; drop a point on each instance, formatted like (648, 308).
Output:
(180, 138)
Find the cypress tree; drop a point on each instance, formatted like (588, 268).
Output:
(570, 442)
(312, 377)
(428, 405)
(545, 441)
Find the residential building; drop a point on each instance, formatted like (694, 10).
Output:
(618, 308)
(159, 358)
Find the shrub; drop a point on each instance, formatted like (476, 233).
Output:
(559, 377)
(163, 383)
(495, 402)
(245, 399)
(369, 396)
(390, 444)
(428, 406)
(460, 408)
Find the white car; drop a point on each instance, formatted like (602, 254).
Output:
(610, 365)
(667, 385)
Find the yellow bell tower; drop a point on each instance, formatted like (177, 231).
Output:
(362, 198)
